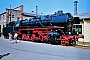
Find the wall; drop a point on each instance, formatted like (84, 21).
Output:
(86, 30)
(14, 15)
(2, 21)
(21, 9)
(3, 17)
(16, 12)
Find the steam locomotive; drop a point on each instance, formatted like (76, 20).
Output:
(44, 28)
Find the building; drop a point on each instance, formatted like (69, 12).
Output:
(85, 23)
(12, 15)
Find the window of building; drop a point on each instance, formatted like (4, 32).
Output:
(78, 28)
(9, 15)
(3, 26)
(12, 16)
(3, 16)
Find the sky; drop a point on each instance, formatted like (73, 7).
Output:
(46, 6)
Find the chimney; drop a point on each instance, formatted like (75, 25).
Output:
(21, 9)
(36, 11)
(75, 7)
(7, 16)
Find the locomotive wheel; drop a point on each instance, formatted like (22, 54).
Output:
(63, 43)
(73, 43)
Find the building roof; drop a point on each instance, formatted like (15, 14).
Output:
(3, 13)
(24, 14)
(18, 7)
(29, 14)
(14, 10)
(83, 15)
(9, 9)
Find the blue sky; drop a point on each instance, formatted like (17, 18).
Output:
(46, 6)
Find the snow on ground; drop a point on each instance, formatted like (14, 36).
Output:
(25, 50)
